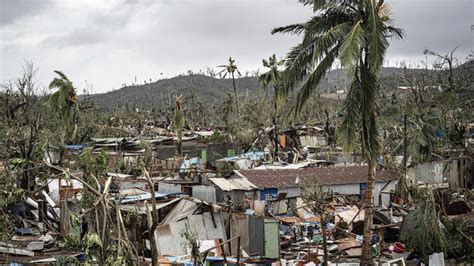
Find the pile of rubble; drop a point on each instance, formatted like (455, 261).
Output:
(234, 208)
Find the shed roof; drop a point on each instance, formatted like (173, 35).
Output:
(228, 184)
(145, 196)
(285, 178)
(142, 209)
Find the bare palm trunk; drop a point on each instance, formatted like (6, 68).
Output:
(369, 214)
(154, 225)
(179, 141)
(325, 244)
(276, 132)
(235, 94)
(62, 148)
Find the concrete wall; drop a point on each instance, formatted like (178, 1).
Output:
(347, 189)
(352, 189)
(429, 173)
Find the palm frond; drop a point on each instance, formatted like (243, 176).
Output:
(62, 101)
(313, 80)
(302, 58)
(368, 111)
(348, 131)
(265, 80)
(62, 75)
(377, 42)
(296, 29)
(396, 32)
(351, 46)
(324, 22)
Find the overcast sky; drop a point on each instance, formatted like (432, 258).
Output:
(110, 42)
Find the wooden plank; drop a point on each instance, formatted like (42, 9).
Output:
(9, 245)
(348, 245)
(17, 251)
(64, 219)
(354, 252)
(48, 199)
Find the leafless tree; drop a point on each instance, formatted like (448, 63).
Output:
(20, 118)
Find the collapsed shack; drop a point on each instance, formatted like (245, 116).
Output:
(191, 218)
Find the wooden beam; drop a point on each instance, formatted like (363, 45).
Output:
(17, 251)
(64, 218)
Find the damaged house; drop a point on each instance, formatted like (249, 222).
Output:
(264, 185)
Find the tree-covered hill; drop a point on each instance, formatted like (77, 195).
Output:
(214, 90)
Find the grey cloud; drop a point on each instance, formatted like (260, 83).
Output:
(12, 10)
(101, 27)
(145, 38)
(210, 32)
(119, 16)
(77, 38)
(435, 24)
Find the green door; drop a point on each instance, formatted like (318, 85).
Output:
(272, 239)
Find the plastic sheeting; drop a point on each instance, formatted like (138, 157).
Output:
(436, 259)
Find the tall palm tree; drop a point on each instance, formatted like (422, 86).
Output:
(356, 33)
(179, 122)
(230, 69)
(63, 103)
(272, 77)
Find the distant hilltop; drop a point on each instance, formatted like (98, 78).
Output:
(215, 90)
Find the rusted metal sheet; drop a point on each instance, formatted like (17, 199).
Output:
(256, 231)
(205, 193)
(239, 226)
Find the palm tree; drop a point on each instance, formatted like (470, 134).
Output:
(63, 103)
(356, 33)
(179, 121)
(230, 69)
(273, 77)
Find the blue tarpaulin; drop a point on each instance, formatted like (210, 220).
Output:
(439, 133)
(74, 147)
(187, 164)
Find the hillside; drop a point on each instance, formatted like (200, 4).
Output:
(159, 92)
(211, 89)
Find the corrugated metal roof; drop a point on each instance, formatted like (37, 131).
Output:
(284, 178)
(228, 184)
(145, 196)
(142, 209)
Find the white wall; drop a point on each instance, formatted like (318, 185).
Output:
(349, 189)
(430, 173)
(385, 197)
(354, 189)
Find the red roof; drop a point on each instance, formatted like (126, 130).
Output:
(285, 178)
